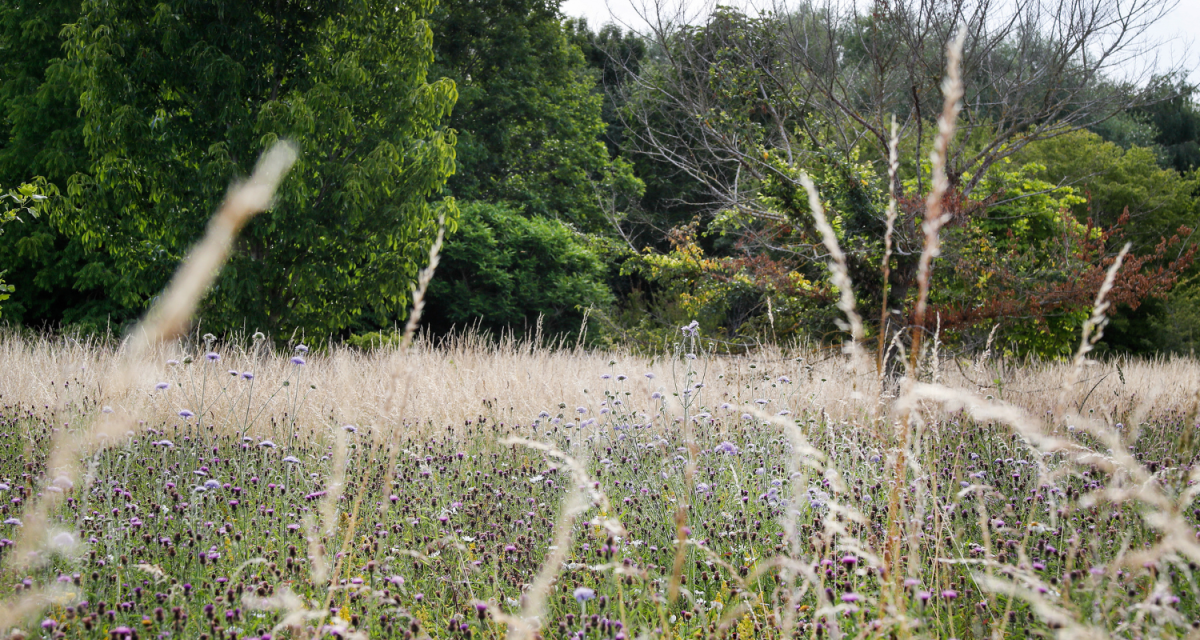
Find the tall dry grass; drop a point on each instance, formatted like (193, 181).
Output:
(512, 381)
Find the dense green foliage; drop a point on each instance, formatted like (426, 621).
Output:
(529, 120)
(25, 200)
(176, 101)
(1174, 121)
(504, 271)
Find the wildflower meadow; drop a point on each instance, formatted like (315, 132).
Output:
(263, 494)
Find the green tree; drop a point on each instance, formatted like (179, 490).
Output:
(1175, 120)
(176, 100)
(41, 136)
(503, 271)
(529, 115)
(1113, 180)
(25, 200)
(39, 125)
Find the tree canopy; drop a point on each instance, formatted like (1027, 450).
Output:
(177, 100)
(643, 179)
(529, 117)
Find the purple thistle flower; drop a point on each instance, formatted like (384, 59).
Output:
(583, 594)
(185, 414)
(297, 360)
(212, 356)
(727, 448)
(850, 597)
(247, 375)
(162, 385)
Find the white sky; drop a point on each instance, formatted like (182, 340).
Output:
(1177, 35)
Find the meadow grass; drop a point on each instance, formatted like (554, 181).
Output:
(286, 503)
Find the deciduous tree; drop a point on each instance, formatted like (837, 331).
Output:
(176, 100)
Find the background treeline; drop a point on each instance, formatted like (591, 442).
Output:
(605, 184)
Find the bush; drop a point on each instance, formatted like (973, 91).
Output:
(502, 271)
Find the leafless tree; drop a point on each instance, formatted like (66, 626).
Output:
(800, 78)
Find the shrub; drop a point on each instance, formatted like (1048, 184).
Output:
(502, 270)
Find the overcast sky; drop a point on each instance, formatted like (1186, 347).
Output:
(1178, 33)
